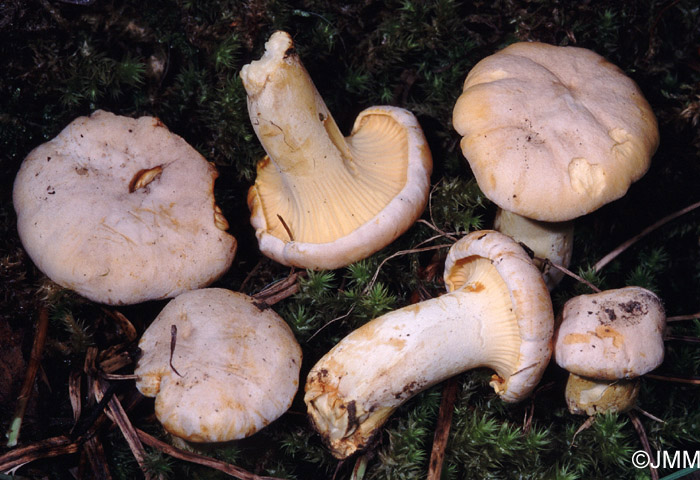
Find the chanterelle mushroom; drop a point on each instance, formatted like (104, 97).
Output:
(552, 133)
(497, 314)
(320, 200)
(121, 210)
(606, 341)
(219, 367)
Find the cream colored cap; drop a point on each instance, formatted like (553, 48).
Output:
(611, 335)
(553, 133)
(122, 211)
(527, 298)
(235, 368)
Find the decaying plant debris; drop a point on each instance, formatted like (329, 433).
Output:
(180, 62)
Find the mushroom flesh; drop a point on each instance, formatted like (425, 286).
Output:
(219, 367)
(606, 341)
(552, 133)
(122, 211)
(497, 314)
(321, 200)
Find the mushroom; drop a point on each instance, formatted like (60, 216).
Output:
(497, 314)
(121, 210)
(322, 201)
(551, 134)
(606, 341)
(219, 367)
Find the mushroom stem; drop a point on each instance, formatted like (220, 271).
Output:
(551, 240)
(316, 186)
(288, 114)
(588, 396)
(303, 143)
(364, 378)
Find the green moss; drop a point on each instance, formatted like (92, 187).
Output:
(180, 61)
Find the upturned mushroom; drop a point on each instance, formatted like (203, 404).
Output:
(320, 200)
(219, 367)
(551, 134)
(497, 314)
(122, 211)
(607, 341)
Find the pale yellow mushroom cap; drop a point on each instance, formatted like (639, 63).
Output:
(321, 200)
(235, 368)
(525, 301)
(122, 211)
(611, 335)
(553, 133)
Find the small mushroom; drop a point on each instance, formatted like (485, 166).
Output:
(219, 367)
(606, 341)
(497, 314)
(551, 134)
(122, 211)
(320, 200)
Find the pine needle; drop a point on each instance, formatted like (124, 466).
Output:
(32, 369)
(625, 245)
(442, 429)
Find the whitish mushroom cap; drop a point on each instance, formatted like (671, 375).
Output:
(320, 200)
(553, 133)
(121, 210)
(528, 301)
(611, 335)
(235, 368)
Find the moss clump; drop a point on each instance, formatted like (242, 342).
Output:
(180, 62)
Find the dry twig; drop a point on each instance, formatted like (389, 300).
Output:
(84, 434)
(442, 429)
(682, 338)
(51, 447)
(645, 441)
(398, 254)
(199, 459)
(530, 412)
(371, 283)
(345, 315)
(625, 245)
(678, 318)
(442, 233)
(124, 324)
(132, 439)
(75, 395)
(115, 358)
(278, 291)
(568, 272)
(647, 414)
(584, 426)
(664, 378)
(95, 453)
(28, 385)
(253, 271)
